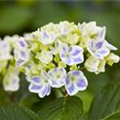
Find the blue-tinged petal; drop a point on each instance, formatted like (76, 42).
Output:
(71, 90)
(35, 88)
(45, 92)
(100, 54)
(102, 32)
(110, 46)
(36, 80)
(70, 61)
(57, 77)
(49, 91)
(21, 43)
(82, 83)
(99, 45)
(75, 51)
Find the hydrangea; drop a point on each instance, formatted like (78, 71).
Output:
(75, 81)
(56, 56)
(40, 85)
(11, 79)
(71, 55)
(5, 51)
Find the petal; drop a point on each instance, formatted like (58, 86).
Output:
(35, 88)
(99, 45)
(44, 92)
(82, 83)
(102, 32)
(72, 90)
(70, 61)
(79, 59)
(64, 48)
(110, 46)
(100, 54)
(75, 50)
(36, 80)
(21, 43)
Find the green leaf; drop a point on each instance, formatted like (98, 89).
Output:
(15, 112)
(106, 102)
(68, 108)
(113, 116)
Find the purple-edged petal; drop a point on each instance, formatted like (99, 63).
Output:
(21, 43)
(109, 46)
(75, 50)
(35, 88)
(71, 90)
(100, 54)
(45, 92)
(82, 83)
(99, 45)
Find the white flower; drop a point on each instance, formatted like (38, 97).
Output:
(45, 56)
(11, 40)
(75, 81)
(57, 77)
(21, 56)
(11, 81)
(92, 30)
(57, 47)
(46, 37)
(40, 85)
(97, 48)
(95, 65)
(5, 51)
(21, 43)
(71, 55)
(112, 58)
(66, 27)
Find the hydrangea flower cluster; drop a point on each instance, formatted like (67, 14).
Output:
(9, 74)
(55, 56)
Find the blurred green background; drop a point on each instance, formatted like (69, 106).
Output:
(19, 17)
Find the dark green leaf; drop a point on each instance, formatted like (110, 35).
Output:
(68, 108)
(113, 116)
(15, 112)
(106, 101)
